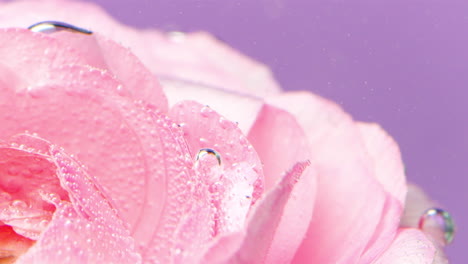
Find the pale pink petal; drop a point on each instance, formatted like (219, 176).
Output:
(164, 54)
(409, 246)
(389, 171)
(386, 156)
(281, 142)
(385, 231)
(258, 244)
(417, 202)
(84, 224)
(235, 106)
(238, 179)
(184, 56)
(345, 217)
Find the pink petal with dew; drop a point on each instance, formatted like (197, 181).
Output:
(80, 109)
(237, 181)
(182, 56)
(24, 177)
(84, 111)
(349, 200)
(28, 57)
(281, 142)
(40, 53)
(84, 224)
(262, 228)
(237, 107)
(409, 246)
(389, 171)
(100, 52)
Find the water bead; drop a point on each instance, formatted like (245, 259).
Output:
(438, 224)
(55, 26)
(205, 151)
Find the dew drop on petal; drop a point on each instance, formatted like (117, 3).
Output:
(207, 151)
(438, 224)
(54, 26)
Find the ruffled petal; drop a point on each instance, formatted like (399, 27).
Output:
(261, 242)
(386, 157)
(281, 143)
(344, 218)
(389, 171)
(409, 246)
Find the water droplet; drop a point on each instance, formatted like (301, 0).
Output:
(19, 204)
(205, 151)
(55, 26)
(438, 224)
(206, 111)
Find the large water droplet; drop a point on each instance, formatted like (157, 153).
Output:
(438, 224)
(54, 26)
(208, 151)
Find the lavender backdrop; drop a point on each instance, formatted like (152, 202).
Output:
(403, 64)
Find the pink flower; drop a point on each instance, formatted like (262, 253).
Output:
(100, 162)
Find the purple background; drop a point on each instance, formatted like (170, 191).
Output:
(403, 64)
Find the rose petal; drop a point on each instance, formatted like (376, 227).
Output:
(417, 202)
(388, 170)
(239, 177)
(344, 218)
(388, 166)
(281, 142)
(100, 52)
(42, 53)
(258, 245)
(235, 106)
(27, 57)
(184, 57)
(409, 246)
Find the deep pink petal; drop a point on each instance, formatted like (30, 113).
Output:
(345, 217)
(409, 246)
(82, 227)
(281, 143)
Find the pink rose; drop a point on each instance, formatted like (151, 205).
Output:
(101, 162)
